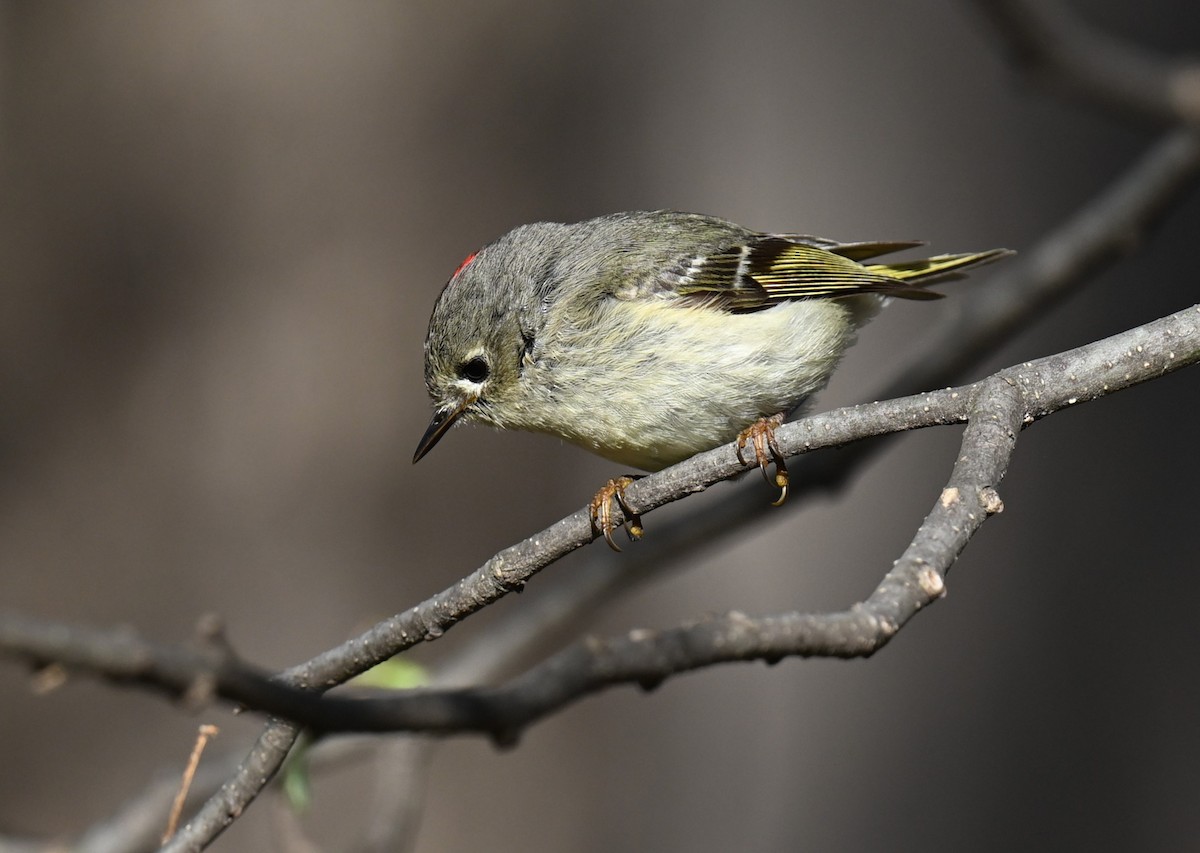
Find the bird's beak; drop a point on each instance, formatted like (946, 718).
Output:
(443, 419)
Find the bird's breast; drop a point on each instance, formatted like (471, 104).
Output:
(648, 382)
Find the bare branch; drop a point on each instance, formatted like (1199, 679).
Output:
(1054, 47)
(996, 409)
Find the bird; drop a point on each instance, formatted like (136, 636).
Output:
(649, 336)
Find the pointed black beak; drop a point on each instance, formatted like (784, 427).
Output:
(443, 419)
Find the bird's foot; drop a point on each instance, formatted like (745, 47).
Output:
(602, 510)
(761, 436)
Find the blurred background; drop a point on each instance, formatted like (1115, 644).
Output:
(223, 227)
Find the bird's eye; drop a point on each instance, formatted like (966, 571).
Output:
(475, 370)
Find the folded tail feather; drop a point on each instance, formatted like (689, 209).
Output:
(939, 268)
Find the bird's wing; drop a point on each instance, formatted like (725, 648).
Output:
(772, 268)
(853, 251)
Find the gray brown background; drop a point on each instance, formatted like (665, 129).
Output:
(222, 228)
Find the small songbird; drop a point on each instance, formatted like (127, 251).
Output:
(647, 337)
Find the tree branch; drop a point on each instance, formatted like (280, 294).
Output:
(996, 409)
(1055, 48)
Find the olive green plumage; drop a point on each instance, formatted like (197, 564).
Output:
(647, 337)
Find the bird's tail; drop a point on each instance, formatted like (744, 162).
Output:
(936, 269)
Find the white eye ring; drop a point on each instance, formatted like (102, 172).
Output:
(476, 370)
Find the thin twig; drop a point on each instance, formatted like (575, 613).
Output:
(189, 773)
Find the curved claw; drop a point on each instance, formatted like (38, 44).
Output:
(602, 513)
(781, 480)
(761, 436)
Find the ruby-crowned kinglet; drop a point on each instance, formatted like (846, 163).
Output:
(647, 337)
